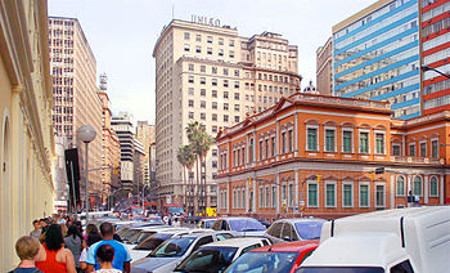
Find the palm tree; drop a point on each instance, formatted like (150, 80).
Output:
(186, 157)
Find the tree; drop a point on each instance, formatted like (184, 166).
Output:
(200, 142)
(186, 157)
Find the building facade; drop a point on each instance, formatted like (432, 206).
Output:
(26, 136)
(210, 74)
(324, 68)
(110, 144)
(145, 133)
(75, 93)
(139, 164)
(435, 35)
(315, 155)
(383, 53)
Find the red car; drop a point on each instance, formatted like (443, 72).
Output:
(280, 258)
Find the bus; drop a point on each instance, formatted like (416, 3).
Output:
(175, 210)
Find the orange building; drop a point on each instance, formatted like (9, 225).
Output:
(315, 155)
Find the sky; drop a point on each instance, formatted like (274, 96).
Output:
(122, 34)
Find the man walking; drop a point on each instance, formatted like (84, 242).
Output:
(122, 257)
(36, 233)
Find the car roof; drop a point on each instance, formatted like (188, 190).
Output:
(236, 218)
(289, 246)
(203, 232)
(164, 229)
(235, 242)
(301, 220)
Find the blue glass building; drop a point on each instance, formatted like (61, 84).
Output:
(376, 56)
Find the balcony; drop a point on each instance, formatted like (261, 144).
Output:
(414, 159)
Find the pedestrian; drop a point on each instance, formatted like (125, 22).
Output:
(58, 259)
(122, 257)
(73, 242)
(105, 256)
(92, 238)
(91, 228)
(36, 233)
(29, 251)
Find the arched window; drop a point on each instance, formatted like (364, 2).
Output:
(417, 185)
(433, 186)
(400, 186)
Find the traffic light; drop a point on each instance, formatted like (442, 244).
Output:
(379, 170)
(116, 170)
(250, 181)
(371, 175)
(318, 177)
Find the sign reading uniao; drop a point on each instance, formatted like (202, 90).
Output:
(205, 20)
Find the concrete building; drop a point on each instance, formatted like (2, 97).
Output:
(26, 136)
(145, 133)
(435, 37)
(208, 73)
(139, 163)
(324, 69)
(378, 53)
(110, 144)
(314, 155)
(75, 94)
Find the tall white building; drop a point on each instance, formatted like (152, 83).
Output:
(208, 73)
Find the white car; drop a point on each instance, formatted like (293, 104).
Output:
(146, 232)
(144, 248)
(217, 256)
(169, 254)
(240, 226)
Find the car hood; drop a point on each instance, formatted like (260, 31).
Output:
(153, 263)
(252, 233)
(138, 254)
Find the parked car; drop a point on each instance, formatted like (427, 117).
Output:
(130, 233)
(148, 245)
(411, 240)
(288, 230)
(206, 222)
(241, 226)
(170, 253)
(263, 222)
(280, 258)
(217, 256)
(146, 232)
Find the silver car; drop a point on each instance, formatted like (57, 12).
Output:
(288, 230)
(169, 254)
(240, 226)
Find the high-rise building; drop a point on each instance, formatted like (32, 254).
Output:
(145, 133)
(435, 54)
(210, 74)
(138, 167)
(378, 54)
(324, 70)
(111, 144)
(26, 138)
(75, 94)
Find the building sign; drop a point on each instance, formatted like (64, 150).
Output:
(205, 20)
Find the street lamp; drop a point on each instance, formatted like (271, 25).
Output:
(86, 133)
(428, 68)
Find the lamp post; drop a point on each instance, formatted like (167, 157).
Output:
(87, 134)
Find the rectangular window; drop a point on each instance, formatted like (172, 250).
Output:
(283, 142)
(267, 197)
(312, 139)
(261, 197)
(380, 143)
(364, 195)
(412, 149)
(260, 150)
(330, 140)
(243, 155)
(267, 147)
(312, 195)
(291, 195)
(380, 196)
(364, 142)
(347, 195)
(274, 196)
(291, 140)
(331, 195)
(395, 149)
(273, 146)
(434, 148)
(423, 149)
(347, 139)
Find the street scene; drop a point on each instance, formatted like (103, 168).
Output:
(225, 137)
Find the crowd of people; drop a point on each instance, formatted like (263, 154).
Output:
(59, 245)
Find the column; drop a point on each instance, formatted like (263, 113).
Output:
(296, 192)
(408, 188)
(247, 196)
(277, 181)
(247, 152)
(296, 135)
(425, 189)
(441, 190)
(393, 189)
(277, 141)
(254, 196)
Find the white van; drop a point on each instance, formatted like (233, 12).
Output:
(411, 240)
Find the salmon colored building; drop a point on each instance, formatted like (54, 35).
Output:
(315, 155)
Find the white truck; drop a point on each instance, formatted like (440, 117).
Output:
(410, 240)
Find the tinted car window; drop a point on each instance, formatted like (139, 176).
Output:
(275, 230)
(271, 262)
(286, 233)
(153, 242)
(246, 225)
(404, 267)
(208, 260)
(250, 248)
(216, 225)
(309, 230)
(203, 241)
(223, 236)
(175, 247)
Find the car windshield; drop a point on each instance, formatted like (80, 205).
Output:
(259, 262)
(142, 236)
(155, 221)
(208, 260)
(340, 270)
(175, 247)
(309, 230)
(153, 241)
(131, 234)
(245, 225)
